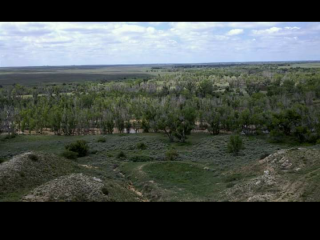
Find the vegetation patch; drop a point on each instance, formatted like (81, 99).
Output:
(80, 147)
(69, 155)
(121, 155)
(101, 140)
(141, 158)
(142, 146)
(235, 145)
(172, 155)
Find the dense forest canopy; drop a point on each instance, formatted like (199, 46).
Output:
(268, 99)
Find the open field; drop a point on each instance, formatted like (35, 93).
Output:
(32, 76)
(301, 65)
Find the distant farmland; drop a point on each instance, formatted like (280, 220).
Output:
(58, 75)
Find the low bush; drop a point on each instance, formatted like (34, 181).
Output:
(172, 155)
(94, 152)
(80, 147)
(33, 157)
(277, 136)
(10, 136)
(141, 146)
(105, 191)
(102, 140)
(233, 178)
(264, 155)
(141, 159)
(121, 155)
(69, 155)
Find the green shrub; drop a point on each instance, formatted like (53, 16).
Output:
(263, 156)
(121, 155)
(10, 136)
(102, 140)
(69, 155)
(141, 146)
(233, 178)
(230, 185)
(94, 152)
(312, 138)
(2, 160)
(277, 136)
(105, 191)
(301, 133)
(33, 157)
(235, 145)
(172, 155)
(318, 142)
(80, 147)
(141, 159)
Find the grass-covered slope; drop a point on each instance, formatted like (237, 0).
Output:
(39, 177)
(288, 175)
(80, 188)
(202, 171)
(28, 170)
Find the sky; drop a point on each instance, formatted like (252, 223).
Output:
(89, 43)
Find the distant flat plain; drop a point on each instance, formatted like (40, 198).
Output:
(69, 74)
(32, 76)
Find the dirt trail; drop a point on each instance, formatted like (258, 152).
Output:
(140, 194)
(131, 186)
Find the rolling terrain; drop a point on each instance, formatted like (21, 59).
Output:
(229, 132)
(202, 170)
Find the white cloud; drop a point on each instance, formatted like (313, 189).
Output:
(266, 31)
(292, 28)
(155, 23)
(119, 43)
(235, 32)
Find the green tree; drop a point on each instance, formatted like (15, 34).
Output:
(235, 145)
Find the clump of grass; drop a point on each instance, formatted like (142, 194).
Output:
(142, 146)
(172, 155)
(101, 140)
(69, 155)
(121, 155)
(33, 157)
(2, 160)
(80, 147)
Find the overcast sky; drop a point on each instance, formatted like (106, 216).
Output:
(54, 43)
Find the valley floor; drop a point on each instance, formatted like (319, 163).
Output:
(202, 170)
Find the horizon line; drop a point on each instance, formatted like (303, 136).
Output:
(143, 64)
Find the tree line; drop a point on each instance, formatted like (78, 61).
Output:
(250, 101)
